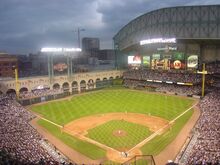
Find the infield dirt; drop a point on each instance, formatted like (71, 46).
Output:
(79, 128)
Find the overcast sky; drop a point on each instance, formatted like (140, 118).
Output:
(28, 25)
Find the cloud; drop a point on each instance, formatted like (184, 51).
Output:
(26, 25)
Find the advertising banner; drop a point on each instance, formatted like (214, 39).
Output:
(192, 61)
(146, 61)
(177, 64)
(178, 56)
(167, 56)
(156, 56)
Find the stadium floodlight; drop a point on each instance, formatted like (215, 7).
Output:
(61, 50)
(158, 40)
(51, 49)
(72, 50)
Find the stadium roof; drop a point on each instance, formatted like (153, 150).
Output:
(181, 22)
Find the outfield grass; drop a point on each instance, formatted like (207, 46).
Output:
(62, 112)
(135, 133)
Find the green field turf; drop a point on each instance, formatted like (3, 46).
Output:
(88, 149)
(62, 112)
(156, 145)
(118, 100)
(131, 162)
(135, 133)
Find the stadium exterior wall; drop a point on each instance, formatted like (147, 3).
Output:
(31, 83)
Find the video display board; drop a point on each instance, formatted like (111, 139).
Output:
(134, 59)
(60, 67)
(163, 64)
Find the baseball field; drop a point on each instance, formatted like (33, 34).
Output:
(116, 124)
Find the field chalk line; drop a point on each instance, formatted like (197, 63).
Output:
(49, 121)
(160, 130)
(82, 137)
(139, 144)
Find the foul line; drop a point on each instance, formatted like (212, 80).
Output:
(48, 121)
(81, 136)
(136, 146)
(160, 130)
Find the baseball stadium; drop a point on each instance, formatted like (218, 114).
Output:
(159, 103)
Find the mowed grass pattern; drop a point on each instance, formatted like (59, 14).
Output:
(105, 101)
(135, 133)
(118, 100)
(88, 149)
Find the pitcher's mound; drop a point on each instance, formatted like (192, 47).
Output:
(119, 133)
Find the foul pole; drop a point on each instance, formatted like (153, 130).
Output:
(16, 83)
(203, 72)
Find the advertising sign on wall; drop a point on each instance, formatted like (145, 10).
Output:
(192, 61)
(167, 56)
(177, 64)
(156, 56)
(146, 61)
(178, 56)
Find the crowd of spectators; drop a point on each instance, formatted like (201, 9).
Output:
(19, 141)
(39, 93)
(180, 89)
(174, 76)
(164, 87)
(213, 67)
(204, 148)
